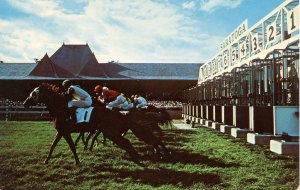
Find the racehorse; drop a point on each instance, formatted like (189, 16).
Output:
(102, 119)
(144, 124)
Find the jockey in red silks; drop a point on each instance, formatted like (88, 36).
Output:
(79, 97)
(114, 99)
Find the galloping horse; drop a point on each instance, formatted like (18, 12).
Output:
(102, 119)
(144, 124)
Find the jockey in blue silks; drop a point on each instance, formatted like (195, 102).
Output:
(140, 102)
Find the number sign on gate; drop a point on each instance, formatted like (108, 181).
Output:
(271, 32)
(244, 44)
(293, 20)
(255, 43)
(243, 49)
(234, 55)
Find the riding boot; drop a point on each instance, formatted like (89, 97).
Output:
(73, 114)
(68, 116)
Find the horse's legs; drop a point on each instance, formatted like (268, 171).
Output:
(70, 142)
(87, 140)
(84, 141)
(94, 139)
(123, 134)
(78, 138)
(166, 151)
(125, 145)
(156, 150)
(158, 147)
(104, 140)
(54, 143)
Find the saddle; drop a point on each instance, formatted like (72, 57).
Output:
(124, 112)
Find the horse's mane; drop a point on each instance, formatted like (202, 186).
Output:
(55, 101)
(51, 87)
(54, 91)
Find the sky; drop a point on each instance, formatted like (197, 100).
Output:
(126, 31)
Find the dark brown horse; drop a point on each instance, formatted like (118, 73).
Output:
(144, 124)
(102, 119)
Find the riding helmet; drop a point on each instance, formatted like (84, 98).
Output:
(98, 88)
(66, 83)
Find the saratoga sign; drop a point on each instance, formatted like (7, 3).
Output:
(235, 34)
(279, 28)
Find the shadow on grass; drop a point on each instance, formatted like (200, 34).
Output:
(177, 137)
(165, 176)
(186, 157)
(160, 176)
(174, 140)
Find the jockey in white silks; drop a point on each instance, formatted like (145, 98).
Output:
(140, 102)
(79, 97)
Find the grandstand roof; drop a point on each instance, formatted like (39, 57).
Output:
(139, 71)
(79, 62)
(47, 68)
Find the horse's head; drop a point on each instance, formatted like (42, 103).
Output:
(41, 94)
(33, 98)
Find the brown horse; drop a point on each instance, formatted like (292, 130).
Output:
(144, 124)
(102, 119)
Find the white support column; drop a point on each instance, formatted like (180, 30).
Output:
(214, 113)
(234, 115)
(223, 114)
(266, 78)
(251, 118)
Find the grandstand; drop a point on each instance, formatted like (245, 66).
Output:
(159, 81)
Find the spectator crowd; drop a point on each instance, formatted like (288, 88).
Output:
(166, 103)
(157, 103)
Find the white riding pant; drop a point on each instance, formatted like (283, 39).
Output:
(80, 103)
(142, 105)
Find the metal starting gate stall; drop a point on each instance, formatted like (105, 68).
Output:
(253, 82)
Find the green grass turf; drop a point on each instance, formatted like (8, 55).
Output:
(201, 159)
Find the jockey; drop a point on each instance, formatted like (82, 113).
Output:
(105, 87)
(79, 97)
(114, 99)
(140, 102)
(98, 90)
